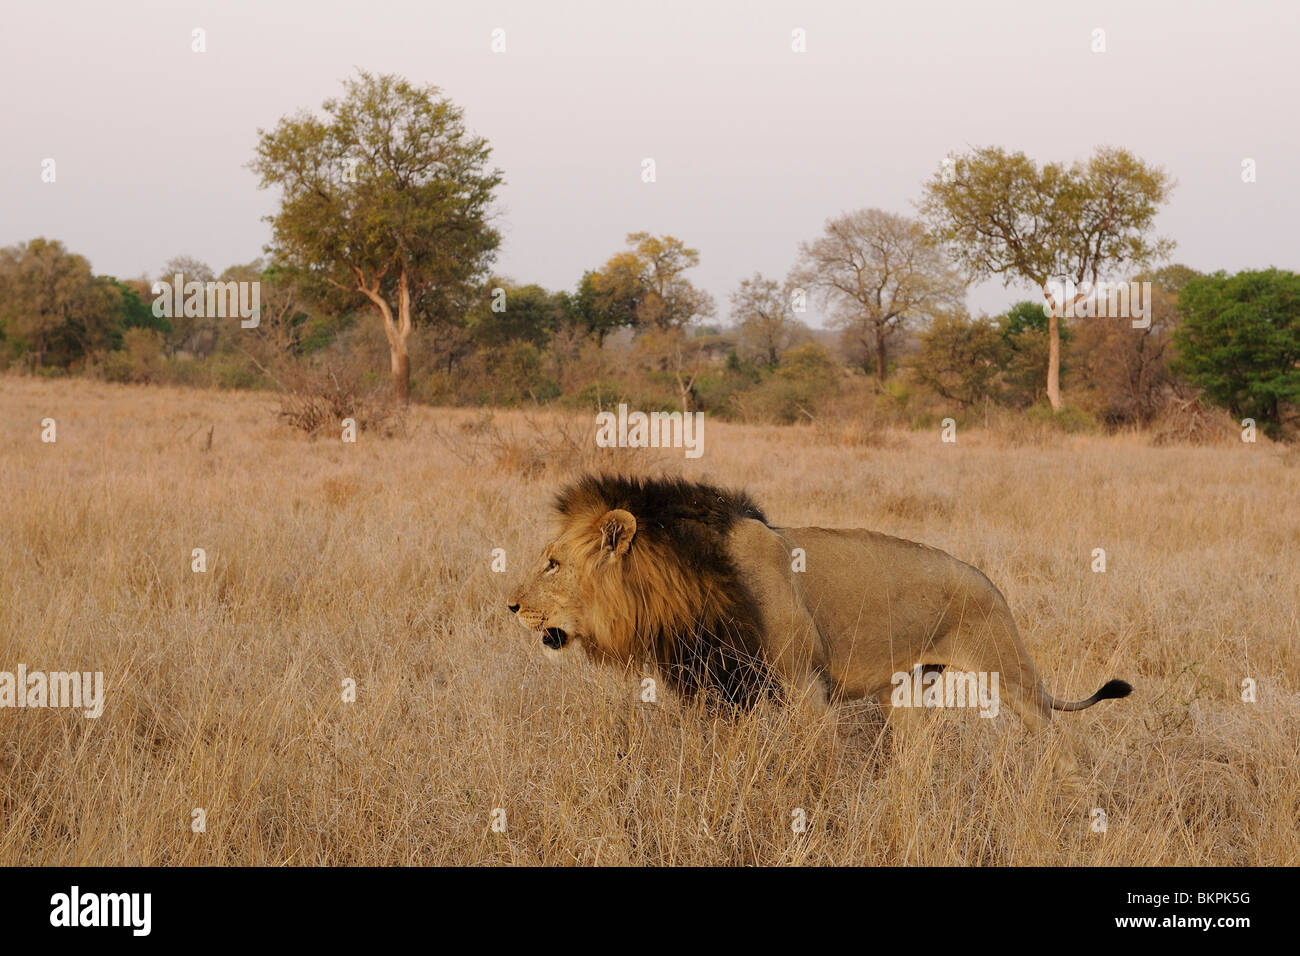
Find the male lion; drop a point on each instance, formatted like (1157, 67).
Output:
(692, 579)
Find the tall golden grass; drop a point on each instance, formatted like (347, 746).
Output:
(372, 561)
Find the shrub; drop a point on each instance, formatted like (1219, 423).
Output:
(960, 359)
(791, 392)
(319, 397)
(1070, 419)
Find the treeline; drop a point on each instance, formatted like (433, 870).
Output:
(380, 270)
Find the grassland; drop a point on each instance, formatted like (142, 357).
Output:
(372, 562)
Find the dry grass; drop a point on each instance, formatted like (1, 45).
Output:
(371, 561)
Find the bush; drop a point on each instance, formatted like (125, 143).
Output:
(961, 358)
(140, 358)
(1240, 342)
(792, 391)
(319, 397)
(1071, 420)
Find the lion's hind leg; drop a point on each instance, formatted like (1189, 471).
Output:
(991, 650)
(905, 717)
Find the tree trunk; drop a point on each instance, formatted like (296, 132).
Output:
(401, 363)
(1054, 360)
(880, 355)
(397, 332)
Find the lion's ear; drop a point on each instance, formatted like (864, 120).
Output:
(617, 529)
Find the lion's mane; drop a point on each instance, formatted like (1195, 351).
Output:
(675, 599)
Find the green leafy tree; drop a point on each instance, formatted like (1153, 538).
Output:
(385, 204)
(519, 313)
(136, 312)
(1027, 316)
(599, 309)
(1239, 340)
(1023, 328)
(650, 278)
(50, 300)
(1002, 215)
(961, 358)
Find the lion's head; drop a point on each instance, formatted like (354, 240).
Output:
(638, 572)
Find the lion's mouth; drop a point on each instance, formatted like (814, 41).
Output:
(554, 638)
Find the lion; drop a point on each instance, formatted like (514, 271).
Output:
(694, 581)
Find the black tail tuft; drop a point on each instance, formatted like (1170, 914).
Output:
(1114, 689)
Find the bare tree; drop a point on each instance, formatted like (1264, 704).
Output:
(762, 310)
(878, 272)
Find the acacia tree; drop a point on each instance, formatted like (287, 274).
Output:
(878, 271)
(1002, 215)
(650, 276)
(385, 204)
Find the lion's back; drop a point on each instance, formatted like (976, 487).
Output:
(872, 598)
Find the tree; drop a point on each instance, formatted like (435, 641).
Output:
(1240, 341)
(1024, 331)
(385, 204)
(136, 312)
(50, 299)
(879, 272)
(1001, 215)
(285, 315)
(196, 334)
(95, 326)
(600, 308)
(522, 313)
(767, 326)
(285, 319)
(961, 358)
(649, 278)
(1127, 370)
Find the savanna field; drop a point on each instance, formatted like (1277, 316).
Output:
(373, 562)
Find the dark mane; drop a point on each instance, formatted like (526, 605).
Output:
(687, 522)
(671, 508)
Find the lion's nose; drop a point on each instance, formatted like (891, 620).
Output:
(514, 608)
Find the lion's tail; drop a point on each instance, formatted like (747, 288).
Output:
(1109, 690)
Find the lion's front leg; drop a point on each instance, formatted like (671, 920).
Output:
(810, 691)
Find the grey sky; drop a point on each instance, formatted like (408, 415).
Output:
(755, 145)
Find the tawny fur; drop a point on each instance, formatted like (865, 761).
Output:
(692, 579)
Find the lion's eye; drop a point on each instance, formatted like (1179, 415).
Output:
(552, 565)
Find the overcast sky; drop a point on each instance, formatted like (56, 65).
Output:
(755, 145)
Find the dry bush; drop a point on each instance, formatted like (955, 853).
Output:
(140, 359)
(1188, 420)
(372, 562)
(317, 398)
